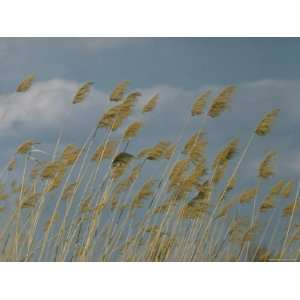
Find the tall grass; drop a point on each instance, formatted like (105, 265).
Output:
(100, 202)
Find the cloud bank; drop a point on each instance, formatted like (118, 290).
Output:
(47, 107)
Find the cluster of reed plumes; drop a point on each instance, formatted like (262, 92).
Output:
(98, 202)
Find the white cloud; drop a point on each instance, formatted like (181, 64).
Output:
(40, 112)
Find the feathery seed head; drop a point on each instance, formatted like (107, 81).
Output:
(82, 92)
(195, 147)
(126, 183)
(226, 154)
(25, 84)
(200, 103)
(264, 126)
(177, 172)
(265, 169)
(119, 91)
(151, 104)
(55, 182)
(70, 155)
(247, 195)
(277, 188)
(52, 169)
(144, 193)
(105, 151)
(26, 146)
(290, 209)
(287, 190)
(160, 150)
(132, 130)
(115, 116)
(267, 203)
(221, 102)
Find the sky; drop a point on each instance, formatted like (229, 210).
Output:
(265, 70)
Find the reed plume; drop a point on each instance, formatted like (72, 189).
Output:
(105, 151)
(26, 147)
(265, 169)
(200, 103)
(132, 130)
(119, 91)
(25, 84)
(221, 102)
(264, 126)
(287, 190)
(144, 193)
(158, 151)
(247, 195)
(151, 104)
(82, 92)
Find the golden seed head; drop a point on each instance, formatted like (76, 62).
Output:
(195, 147)
(226, 208)
(170, 151)
(277, 188)
(231, 184)
(25, 84)
(195, 208)
(200, 103)
(70, 155)
(177, 172)
(247, 195)
(227, 153)
(221, 102)
(82, 92)
(127, 183)
(144, 193)
(132, 97)
(26, 146)
(265, 169)
(132, 130)
(105, 151)
(55, 182)
(151, 104)
(219, 172)
(119, 91)
(52, 169)
(267, 203)
(287, 190)
(160, 150)
(30, 200)
(290, 209)
(192, 180)
(115, 116)
(264, 126)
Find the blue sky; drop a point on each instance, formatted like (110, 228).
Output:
(265, 70)
(184, 62)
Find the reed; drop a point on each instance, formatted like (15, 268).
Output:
(169, 201)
